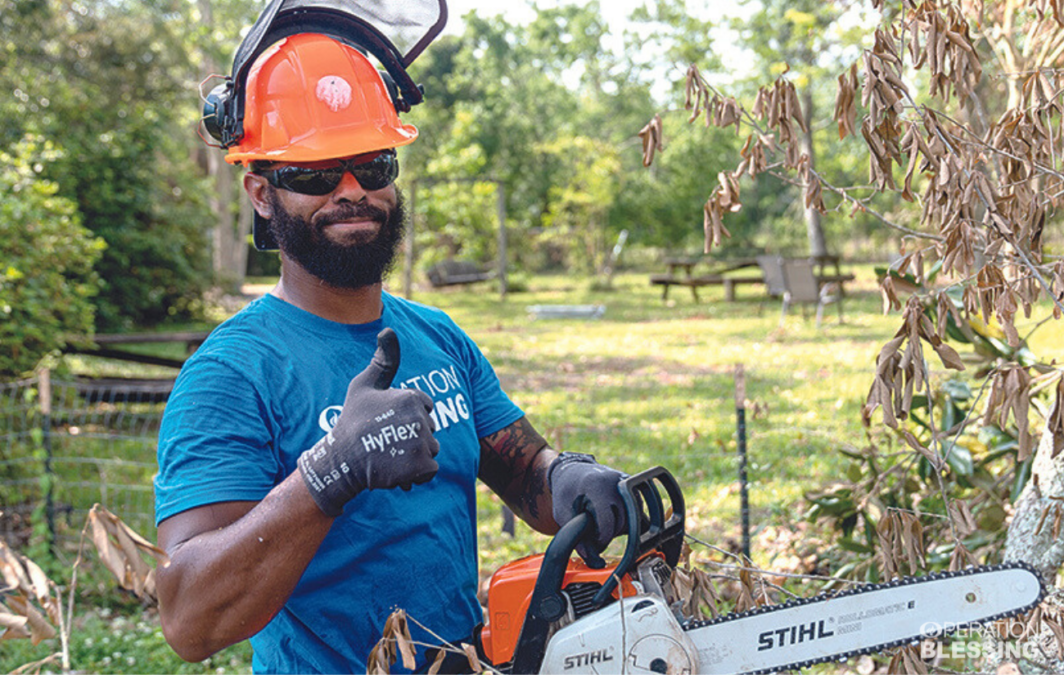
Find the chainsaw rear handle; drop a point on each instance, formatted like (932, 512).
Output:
(649, 530)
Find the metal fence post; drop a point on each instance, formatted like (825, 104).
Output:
(740, 417)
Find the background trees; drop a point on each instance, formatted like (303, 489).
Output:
(547, 108)
(106, 83)
(47, 281)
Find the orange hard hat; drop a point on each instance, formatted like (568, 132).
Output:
(310, 98)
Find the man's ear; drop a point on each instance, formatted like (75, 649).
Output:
(258, 188)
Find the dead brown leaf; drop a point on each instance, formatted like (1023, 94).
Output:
(653, 139)
(30, 605)
(1055, 421)
(120, 550)
(471, 655)
(437, 663)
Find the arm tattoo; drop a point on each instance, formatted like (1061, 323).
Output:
(511, 466)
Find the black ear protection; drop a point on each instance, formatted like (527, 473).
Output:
(223, 108)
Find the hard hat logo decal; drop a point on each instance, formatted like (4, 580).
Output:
(334, 92)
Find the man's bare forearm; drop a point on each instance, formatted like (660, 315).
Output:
(514, 463)
(234, 565)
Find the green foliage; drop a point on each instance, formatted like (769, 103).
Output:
(662, 205)
(674, 34)
(536, 107)
(124, 639)
(589, 181)
(106, 82)
(969, 463)
(47, 282)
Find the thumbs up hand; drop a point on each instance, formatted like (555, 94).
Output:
(381, 440)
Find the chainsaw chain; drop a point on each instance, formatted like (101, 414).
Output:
(867, 588)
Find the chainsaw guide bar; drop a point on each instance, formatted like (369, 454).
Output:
(818, 629)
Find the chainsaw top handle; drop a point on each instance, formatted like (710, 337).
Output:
(648, 527)
(648, 530)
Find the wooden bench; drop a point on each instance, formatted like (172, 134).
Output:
(456, 272)
(103, 346)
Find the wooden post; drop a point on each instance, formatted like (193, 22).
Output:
(740, 416)
(408, 245)
(500, 194)
(44, 391)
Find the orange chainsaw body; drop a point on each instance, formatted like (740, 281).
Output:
(510, 593)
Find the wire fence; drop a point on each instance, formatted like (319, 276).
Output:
(68, 444)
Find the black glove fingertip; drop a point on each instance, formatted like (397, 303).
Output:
(590, 557)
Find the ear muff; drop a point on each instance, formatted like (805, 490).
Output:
(217, 120)
(393, 92)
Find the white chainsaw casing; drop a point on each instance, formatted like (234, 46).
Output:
(636, 635)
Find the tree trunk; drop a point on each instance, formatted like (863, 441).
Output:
(1031, 538)
(230, 229)
(817, 245)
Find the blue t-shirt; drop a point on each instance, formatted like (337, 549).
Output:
(264, 387)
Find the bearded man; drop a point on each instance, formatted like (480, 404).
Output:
(288, 431)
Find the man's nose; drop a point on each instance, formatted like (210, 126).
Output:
(349, 189)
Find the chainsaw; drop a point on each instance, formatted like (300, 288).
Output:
(551, 613)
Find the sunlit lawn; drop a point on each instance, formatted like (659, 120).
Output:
(653, 383)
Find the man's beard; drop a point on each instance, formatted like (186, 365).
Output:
(343, 265)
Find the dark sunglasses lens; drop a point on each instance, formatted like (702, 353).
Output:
(309, 181)
(378, 173)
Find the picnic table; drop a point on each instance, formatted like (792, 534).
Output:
(681, 272)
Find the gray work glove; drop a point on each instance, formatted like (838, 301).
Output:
(578, 483)
(381, 440)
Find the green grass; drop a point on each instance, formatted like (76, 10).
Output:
(126, 640)
(653, 382)
(650, 383)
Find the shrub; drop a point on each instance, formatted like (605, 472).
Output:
(47, 280)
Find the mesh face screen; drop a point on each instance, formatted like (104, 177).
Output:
(404, 23)
(409, 25)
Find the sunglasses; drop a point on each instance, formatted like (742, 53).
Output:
(375, 173)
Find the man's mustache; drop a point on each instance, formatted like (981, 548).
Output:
(352, 212)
